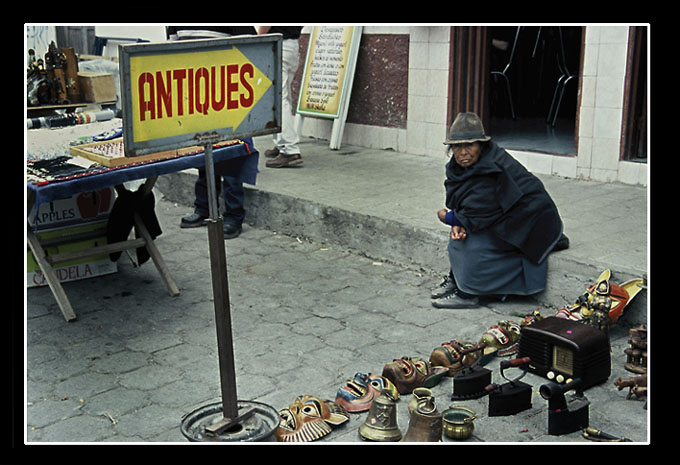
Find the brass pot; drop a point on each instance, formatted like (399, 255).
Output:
(458, 422)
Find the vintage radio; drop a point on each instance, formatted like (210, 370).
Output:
(562, 349)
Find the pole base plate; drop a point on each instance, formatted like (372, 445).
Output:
(256, 422)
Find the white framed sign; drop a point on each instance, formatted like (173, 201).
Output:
(328, 75)
(329, 68)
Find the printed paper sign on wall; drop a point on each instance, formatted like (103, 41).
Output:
(331, 57)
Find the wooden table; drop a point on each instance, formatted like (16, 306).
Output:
(148, 170)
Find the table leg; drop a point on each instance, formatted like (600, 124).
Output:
(50, 276)
(163, 269)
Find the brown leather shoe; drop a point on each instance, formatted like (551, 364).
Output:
(272, 153)
(283, 161)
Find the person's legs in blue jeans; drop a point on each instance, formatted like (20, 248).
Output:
(228, 183)
(232, 194)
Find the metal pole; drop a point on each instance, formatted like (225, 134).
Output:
(218, 266)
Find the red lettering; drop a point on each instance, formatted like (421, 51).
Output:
(219, 86)
(65, 274)
(164, 94)
(179, 75)
(87, 270)
(202, 107)
(231, 87)
(146, 104)
(217, 105)
(190, 80)
(246, 101)
(38, 278)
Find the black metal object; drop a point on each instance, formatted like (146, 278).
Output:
(471, 382)
(566, 415)
(511, 397)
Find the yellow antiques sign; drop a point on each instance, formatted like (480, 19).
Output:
(188, 88)
(191, 92)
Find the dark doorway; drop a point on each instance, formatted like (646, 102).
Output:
(534, 84)
(634, 145)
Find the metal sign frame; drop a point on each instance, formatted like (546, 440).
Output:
(259, 58)
(264, 52)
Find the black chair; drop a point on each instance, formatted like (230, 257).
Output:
(562, 81)
(503, 74)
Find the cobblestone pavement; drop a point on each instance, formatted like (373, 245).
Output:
(306, 316)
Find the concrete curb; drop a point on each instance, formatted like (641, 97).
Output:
(392, 241)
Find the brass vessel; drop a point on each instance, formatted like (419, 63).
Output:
(425, 424)
(418, 394)
(458, 422)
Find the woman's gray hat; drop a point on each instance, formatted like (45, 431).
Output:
(466, 128)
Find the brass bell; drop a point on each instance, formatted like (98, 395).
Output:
(425, 424)
(381, 422)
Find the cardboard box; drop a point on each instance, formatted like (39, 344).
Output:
(80, 208)
(67, 240)
(97, 87)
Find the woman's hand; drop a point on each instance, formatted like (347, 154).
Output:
(458, 233)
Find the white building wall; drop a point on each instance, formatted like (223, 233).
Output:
(427, 98)
(428, 78)
(604, 71)
(600, 114)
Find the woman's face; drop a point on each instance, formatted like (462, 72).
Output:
(467, 154)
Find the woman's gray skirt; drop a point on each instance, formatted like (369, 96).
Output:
(482, 264)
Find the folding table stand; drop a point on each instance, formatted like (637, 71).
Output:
(46, 262)
(116, 178)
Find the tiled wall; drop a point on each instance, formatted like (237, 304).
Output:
(601, 112)
(427, 88)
